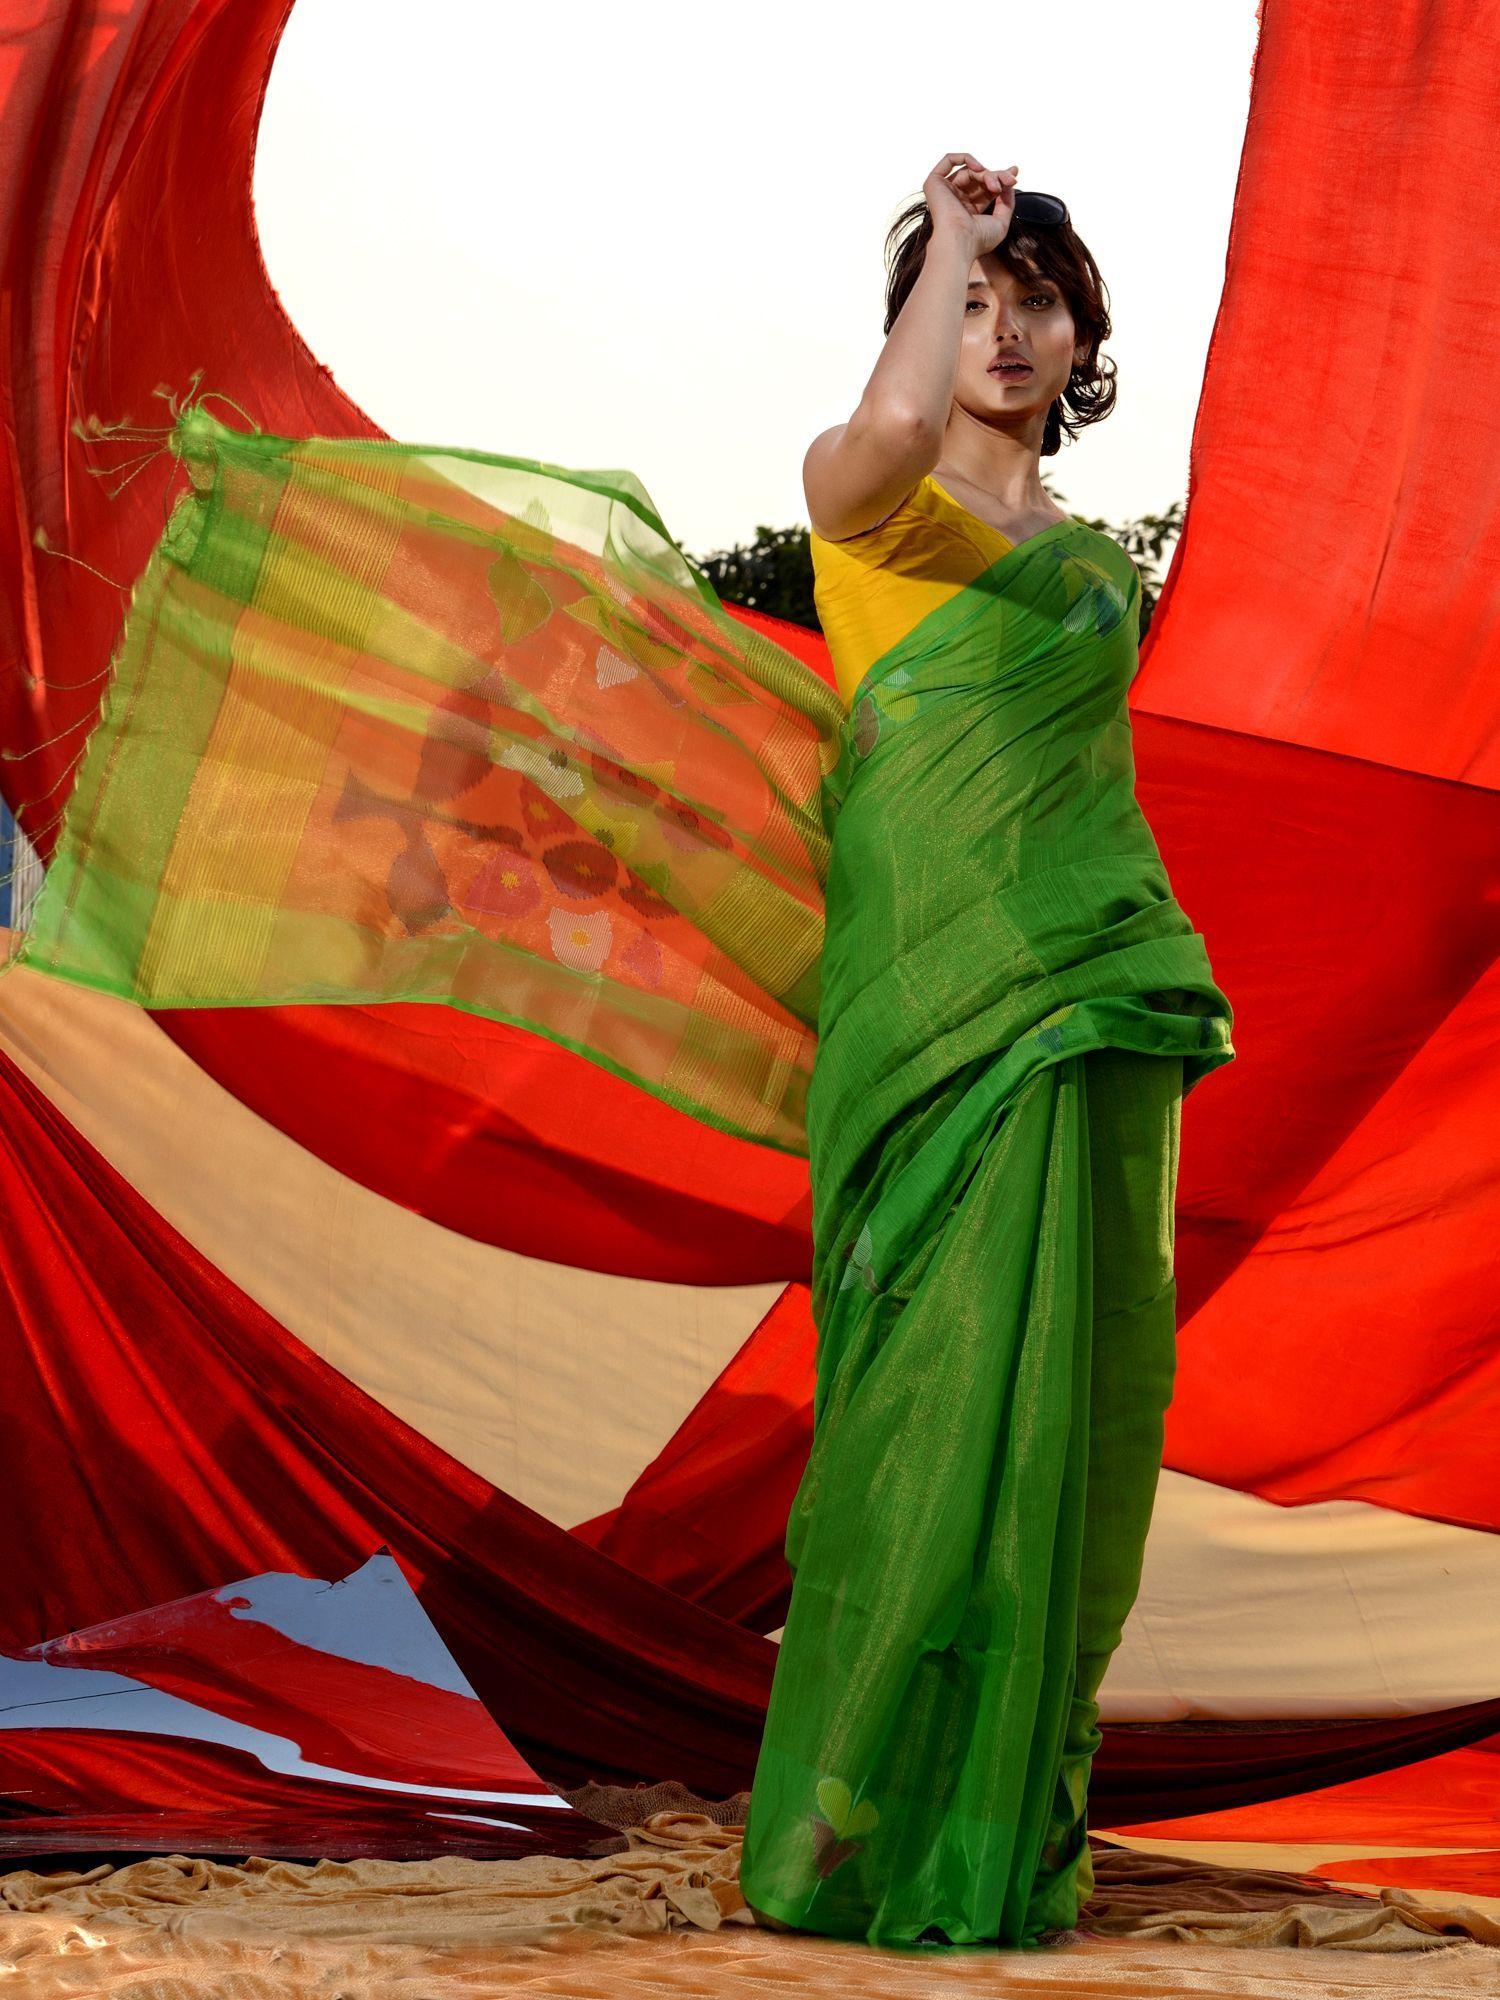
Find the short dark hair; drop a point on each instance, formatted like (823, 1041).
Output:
(1054, 252)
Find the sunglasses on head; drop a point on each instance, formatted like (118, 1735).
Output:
(1045, 209)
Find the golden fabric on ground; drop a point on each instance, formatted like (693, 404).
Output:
(664, 1917)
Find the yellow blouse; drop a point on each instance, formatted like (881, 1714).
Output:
(871, 588)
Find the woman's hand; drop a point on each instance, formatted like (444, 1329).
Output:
(971, 204)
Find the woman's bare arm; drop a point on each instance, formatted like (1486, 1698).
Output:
(858, 472)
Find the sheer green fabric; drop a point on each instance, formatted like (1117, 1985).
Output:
(404, 722)
(398, 722)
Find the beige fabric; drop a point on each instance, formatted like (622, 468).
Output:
(1251, 1610)
(663, 1916)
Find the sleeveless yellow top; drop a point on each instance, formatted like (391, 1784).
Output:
(872, 588)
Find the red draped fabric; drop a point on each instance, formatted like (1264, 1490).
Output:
(1337, 581)
(1316, 748)
(171, 1795)
(329, 1715)
(511, 1139)
(165, 1434)
(178, 1432)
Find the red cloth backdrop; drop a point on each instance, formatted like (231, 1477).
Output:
(183, 1432)
(1316, 744)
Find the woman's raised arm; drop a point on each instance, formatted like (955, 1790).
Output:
(858, 472)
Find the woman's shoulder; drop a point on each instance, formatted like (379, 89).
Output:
(883, 529)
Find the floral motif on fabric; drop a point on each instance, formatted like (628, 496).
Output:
(1096, 601)
(838, 1824)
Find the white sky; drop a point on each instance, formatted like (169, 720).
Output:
(651, 235)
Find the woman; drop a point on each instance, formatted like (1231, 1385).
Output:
(1013, 1006)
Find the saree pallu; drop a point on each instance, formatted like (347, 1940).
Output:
(392, 721)
(1013, 1005)
(406, 722)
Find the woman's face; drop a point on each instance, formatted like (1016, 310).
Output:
(1004, 317)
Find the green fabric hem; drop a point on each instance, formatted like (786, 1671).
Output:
(678, 1101)
(785, 1913)
(188, 441)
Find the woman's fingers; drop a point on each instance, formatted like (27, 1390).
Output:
(950, 160)
(975, 184)
(962, 192)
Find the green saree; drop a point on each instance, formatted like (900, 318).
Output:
(396, 722)
(1013, 1006)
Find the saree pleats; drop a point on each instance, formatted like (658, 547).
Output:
(1134, 1108)
(968, 1537)
(1013, 1007)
